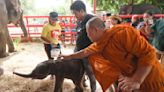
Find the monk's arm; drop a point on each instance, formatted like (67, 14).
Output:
(77, 55)
(80, 54)
(91, 49)
(139, 47)
(134, 82)
(141, 74)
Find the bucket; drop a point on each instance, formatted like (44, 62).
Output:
(55, 52)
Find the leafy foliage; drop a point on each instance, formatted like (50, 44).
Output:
(29, 7)
(114, 5)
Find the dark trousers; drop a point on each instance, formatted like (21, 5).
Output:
(90, 74)
(48, 48)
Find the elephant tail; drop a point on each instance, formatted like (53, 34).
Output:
(23, 75)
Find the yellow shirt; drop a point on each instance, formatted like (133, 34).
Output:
(51, 32)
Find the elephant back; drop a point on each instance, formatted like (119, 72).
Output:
(138, 9)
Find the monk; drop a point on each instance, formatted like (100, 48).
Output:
(121, 54)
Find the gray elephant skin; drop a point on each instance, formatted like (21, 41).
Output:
(138, 9)
(10, 12)
(71, 69)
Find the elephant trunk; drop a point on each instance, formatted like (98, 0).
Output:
(23, 27)
(23, 75)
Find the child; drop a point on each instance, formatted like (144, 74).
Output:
(50, 34)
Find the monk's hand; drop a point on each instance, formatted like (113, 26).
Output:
(127, 84)
(63, 57)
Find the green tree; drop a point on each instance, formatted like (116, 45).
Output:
(114, 5)
(27, 6)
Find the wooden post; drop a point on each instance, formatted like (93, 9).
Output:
(94, 6)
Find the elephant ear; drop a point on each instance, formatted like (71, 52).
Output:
(14, 10)
(16, 5)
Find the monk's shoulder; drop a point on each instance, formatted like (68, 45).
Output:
(126, 29)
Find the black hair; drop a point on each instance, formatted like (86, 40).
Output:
(108, 14)
(118, 22)
(78, 6)
(53, 14)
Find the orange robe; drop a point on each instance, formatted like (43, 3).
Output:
(120, 51)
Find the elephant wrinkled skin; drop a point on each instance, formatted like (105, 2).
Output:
(10, 12)
(71, 69)
(138, 9)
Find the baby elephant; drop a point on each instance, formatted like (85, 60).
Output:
(71, 69)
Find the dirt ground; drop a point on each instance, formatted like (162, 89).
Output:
(28, 55)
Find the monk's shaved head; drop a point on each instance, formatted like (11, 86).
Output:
(95, 28)
(95, 22)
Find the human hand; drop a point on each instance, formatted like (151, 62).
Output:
(63, 57)
(127, 84)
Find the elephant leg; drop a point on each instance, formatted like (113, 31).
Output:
(3, 26)
(79, 86)
(2, 45)
(9, 42)
(58, 84)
